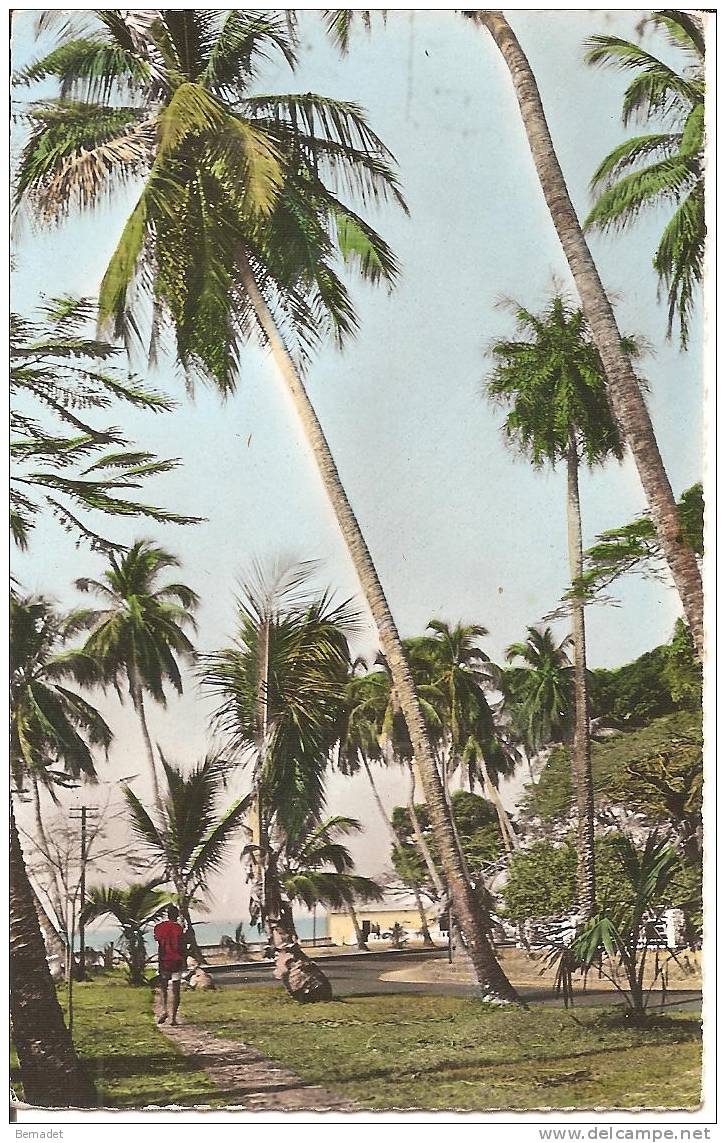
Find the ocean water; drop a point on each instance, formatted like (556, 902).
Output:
(209, 932)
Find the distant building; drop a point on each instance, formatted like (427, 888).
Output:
(378, 919)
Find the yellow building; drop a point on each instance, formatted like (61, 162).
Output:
(377, 921)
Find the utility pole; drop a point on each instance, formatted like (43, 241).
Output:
(84, 812)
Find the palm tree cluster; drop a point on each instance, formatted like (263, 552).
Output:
(244, 221)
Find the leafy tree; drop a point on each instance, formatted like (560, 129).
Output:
(57, 374)
(236, 229)
(477, 827)
(551, 377)
(191, 836)
(135, 908)
(53, 732)
(140, 632)
(542, 879)
(663, 680)
(634, 547)
(662, 167)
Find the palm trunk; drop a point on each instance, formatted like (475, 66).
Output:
(624, 392)
(377, 799)
(50, 1070)
(137, 698)
(58, 892)
(420, 840)
(581, 760)
(359, 938)
(54, 945)
(303, 978)
(492, 980)
(509, 837)
(425, 931)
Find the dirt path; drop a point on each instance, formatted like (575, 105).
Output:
(249, 1080)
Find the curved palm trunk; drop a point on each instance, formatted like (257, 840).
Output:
(581, 760)
(420, 840)
(509, 837)
(624, 392)
(425, 931)
(359, 938)
(54, 944)
(137, 697)
(51, 1072)
(58, 893)
(377, 798)
(470, 914)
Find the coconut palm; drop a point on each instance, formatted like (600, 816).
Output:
(57, 373)
(461, 673)
(53, 734)
(359, 746)
(553, 382)
(661, 167)
(305, 878)
(139, 633)
(624, 390)
(135, 908)
(281, 688)
(191, 837)
(236, 228)
(539, 694)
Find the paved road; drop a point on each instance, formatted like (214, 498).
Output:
(361, 976)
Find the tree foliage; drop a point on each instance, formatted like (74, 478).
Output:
(476, 824)
(663, 167)
(229, 179)
(59, 374)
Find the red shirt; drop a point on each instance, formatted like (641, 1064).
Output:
(170, 938)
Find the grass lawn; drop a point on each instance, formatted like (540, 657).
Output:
(437, 1053)
(425, 1052)
(132, 1063)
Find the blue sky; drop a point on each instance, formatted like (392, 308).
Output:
(458, 526)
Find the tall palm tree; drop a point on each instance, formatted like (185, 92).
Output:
(58, 373)
(540, 693)
(662, 167)
(192, 836)
(552, 380)
(236, 228)
(281, 688)
(139, 634)
(53, 733)
(461, 672)
(359, 746)
(135, 908)
(623, 387)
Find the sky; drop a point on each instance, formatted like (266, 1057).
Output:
(459, 527)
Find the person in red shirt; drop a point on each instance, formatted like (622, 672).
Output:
(169, 935)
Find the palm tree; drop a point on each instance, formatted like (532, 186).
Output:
(281, 688)
(624, 390)
(540, 694)
(662, 166)
(191, 838)
(57, 373)
(135, 908)
(552, 379)
(53, 732)
(366, 700)
(460, 673)
(140, 632)
(302, 865)
(235, 227)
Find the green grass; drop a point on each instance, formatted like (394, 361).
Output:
(425, 1052)
(437, 1053)
(132, 1063)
